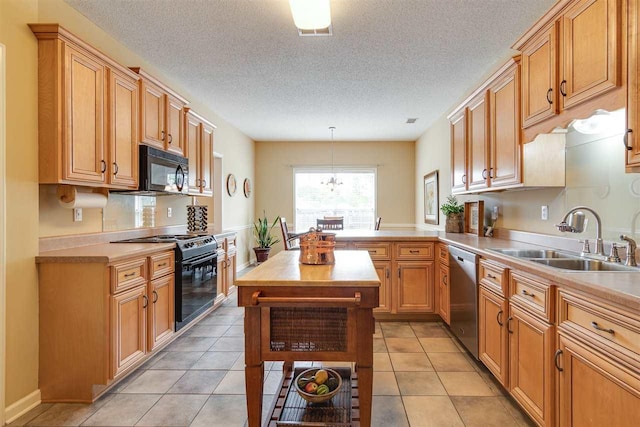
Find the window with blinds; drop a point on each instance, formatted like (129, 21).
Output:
(354, 199)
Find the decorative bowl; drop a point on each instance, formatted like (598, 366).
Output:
(312, 397)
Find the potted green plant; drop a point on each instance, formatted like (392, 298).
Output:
(455, 215)
(264, 239)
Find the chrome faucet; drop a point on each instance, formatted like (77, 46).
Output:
(631, 250)
(576, 225)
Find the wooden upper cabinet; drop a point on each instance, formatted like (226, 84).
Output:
(477, 162)
(505, 167)
(87, 113)
(84, 148)
(633, 110)
(539, 76)
(458, 151)
(123, 130)
(590, 50)
(199, 146)
(161, 115)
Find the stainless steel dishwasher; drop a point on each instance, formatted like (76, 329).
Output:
(463, 273)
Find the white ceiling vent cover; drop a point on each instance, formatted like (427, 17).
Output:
(317, 32)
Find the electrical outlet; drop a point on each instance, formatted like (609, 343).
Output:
(495, 213)
(544, 212)
(77, 215)
(169, 212)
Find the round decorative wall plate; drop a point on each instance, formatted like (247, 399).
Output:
(231, 184)
(247, 187)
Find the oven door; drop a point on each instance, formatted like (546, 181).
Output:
(197, 288)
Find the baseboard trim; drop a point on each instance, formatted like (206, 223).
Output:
(22, 406)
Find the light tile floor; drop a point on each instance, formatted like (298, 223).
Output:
(422, 377)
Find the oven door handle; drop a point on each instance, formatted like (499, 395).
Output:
(195, 261)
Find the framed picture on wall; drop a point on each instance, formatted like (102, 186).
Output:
(474, 217)
(431, 215)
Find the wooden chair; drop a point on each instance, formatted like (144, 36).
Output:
(330, 224)
(378, 221)
(290, 243)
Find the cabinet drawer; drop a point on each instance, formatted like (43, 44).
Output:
(494, 276)
(443, 254)
(414, 251)
(377, 251)
(342, 246)
(599, 322)
(160, 265)
(531, 294)
(128, 274)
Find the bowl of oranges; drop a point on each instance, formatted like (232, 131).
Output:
(318, 385)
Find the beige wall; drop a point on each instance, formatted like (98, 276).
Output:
(275, 162)
(27, 204)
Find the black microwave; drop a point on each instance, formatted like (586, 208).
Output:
(162, 172)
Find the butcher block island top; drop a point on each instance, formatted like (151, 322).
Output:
(352, 268)
(295, 311)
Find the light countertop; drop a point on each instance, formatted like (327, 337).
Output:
(104, 253)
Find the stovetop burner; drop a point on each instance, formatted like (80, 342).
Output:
(179, 238)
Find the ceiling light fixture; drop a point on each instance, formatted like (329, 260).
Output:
(311, 14)
(333, 179)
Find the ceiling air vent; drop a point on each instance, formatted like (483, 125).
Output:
(317, 32)
(411, 121)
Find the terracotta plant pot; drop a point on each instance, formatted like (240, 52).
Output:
(455, 223)
(262, 254)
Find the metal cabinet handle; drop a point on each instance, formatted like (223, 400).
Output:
(464, 179)
(555, 360)
(170, 139)
(414, 251)
(399, 276)
(444, 280)
(499, 318)
(130, 274)
(115, 168)
(155, 297)
(491, 276)
(625, 140)
(104, 166)
(491, 173)
(563, 88)
(484, 173)
(146, 301)
(388, 272)
(528, 294)
(162, 135)
(162, 265)
(204, 183)
(509, 324)
(600, 328)
(549, 92)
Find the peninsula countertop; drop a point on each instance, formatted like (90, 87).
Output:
(352, 268)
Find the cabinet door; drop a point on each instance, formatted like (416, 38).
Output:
(152, 117)
(444, 305)
(161, 310)
(595, 391)
(123, 127)
(383, 268)
(539, 77)
(530, 364)
(84, 146)
(175, 131)
(590, 50)
(128, 328)
(414, 288)
(505, 149)
(192, 141)
(458, 152)
(633, 101)
(206, 161)
(230, 270)
(492, 334)
(478, 134)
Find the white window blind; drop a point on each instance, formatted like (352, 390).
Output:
(354, 199)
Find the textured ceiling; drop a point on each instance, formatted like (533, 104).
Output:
(388, 60)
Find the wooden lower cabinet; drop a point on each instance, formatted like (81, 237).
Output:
(161, 317)
(531, 377)
(442, 287)
(414, 286)
(492, 334)
(595, 390)
(129, 328)
(383, 268)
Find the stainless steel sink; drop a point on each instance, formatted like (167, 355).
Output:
(580, 264)
(533, 253)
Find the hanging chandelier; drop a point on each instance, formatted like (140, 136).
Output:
(333, 180)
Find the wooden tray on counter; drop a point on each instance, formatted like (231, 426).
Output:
(291, 410)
